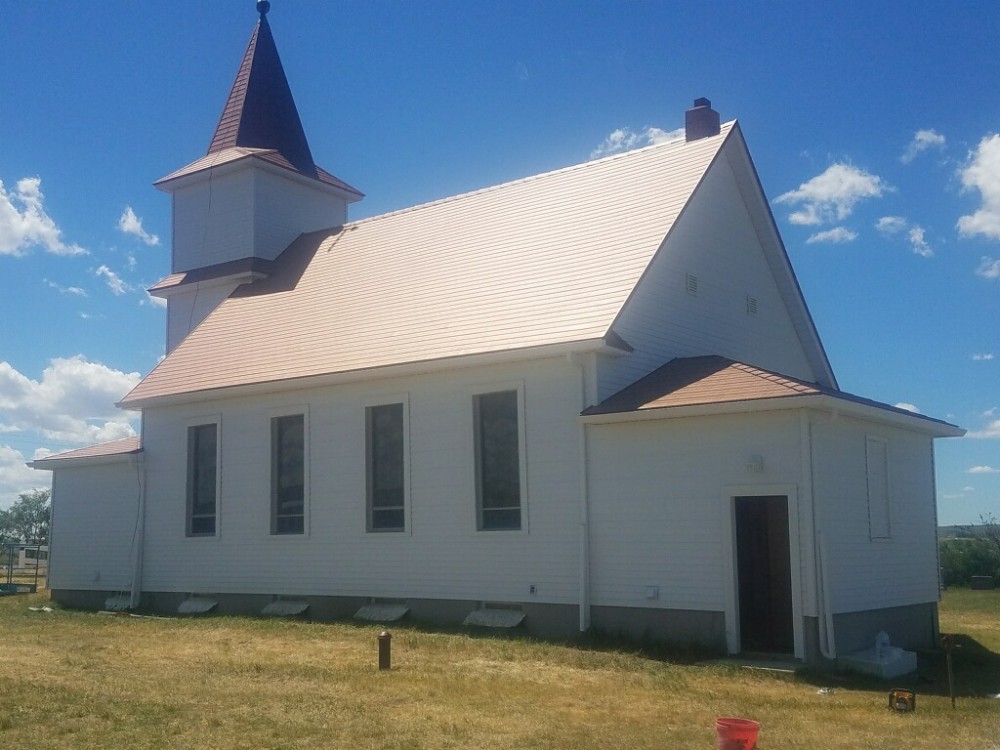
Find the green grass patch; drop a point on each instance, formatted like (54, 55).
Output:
(72, 679)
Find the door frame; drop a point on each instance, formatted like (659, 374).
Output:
(730, 564)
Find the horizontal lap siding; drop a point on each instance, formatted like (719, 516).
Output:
(714, 240)
(93, 524)
(440, 556)
(656, 503)
(213, 222)
(865, 573)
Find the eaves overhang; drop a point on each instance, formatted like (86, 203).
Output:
(827, 404)
(613, 347)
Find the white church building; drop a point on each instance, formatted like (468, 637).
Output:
(587, 399)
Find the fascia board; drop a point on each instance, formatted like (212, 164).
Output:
(551, 351)
(830, 405)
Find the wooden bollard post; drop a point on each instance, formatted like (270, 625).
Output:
(384, 650)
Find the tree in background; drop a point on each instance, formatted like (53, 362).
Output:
(975, 553)
(27, 520)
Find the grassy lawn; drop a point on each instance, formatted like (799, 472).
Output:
(81, 680)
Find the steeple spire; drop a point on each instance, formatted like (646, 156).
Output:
(260, 111)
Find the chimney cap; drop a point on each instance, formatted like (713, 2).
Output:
(702, 102)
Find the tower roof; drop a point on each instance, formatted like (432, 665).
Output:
(260, 120)
(260, 111)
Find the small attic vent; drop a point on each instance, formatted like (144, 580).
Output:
(692, 284)
(751, 306)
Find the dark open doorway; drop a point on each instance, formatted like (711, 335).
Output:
(764, 574)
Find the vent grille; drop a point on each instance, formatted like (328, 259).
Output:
(751, 306)
(692, 284)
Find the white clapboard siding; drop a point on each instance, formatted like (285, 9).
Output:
(441, 555)
(657, 499)
(93, 527)
(865, 573)
(714, 241)
(252, 211)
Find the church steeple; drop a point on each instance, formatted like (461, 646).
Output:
(237, 208)
(260, 111)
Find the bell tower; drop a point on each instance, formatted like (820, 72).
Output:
(257, 189)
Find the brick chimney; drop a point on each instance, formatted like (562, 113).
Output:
(700, 121)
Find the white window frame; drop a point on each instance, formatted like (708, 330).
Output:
(274, 414)
(189, 425)
(369, 404)
(879, 490)
(474, 394)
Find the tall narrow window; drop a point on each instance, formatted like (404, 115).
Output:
(877, 456)
(386, 468)
(288, 459)
(202, 479)
(498, 460)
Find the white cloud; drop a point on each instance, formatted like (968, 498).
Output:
(129, 223)
(982, 172)
(922, 140)
(917, 242)
(991, 431)
(624, 139)
(907, 407)
(72, 290)
(890, 225)
(984, 357)
(832, 195)
(154, 301)
(72, 403)
(982, 470)
(25, 225)
(837, 235)
(114, 281)
(16, 477)
(989, 268)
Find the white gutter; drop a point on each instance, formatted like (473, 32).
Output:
(584, 582)
(378, 372)
(833, 405)
(140, 530)
(827, 642)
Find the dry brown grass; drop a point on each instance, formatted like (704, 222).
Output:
(72, 679)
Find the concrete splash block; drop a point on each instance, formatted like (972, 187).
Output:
(285, 608)
(494, 618)
(381, 612)
(197, 605)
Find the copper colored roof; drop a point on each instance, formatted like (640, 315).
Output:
(693, 381)
(123, 447)
(546, 260)
(713, 380)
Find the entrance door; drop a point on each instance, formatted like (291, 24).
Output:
(764, 574)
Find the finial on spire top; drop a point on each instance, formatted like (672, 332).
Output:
(263, 6)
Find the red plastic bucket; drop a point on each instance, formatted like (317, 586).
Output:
(736, 734)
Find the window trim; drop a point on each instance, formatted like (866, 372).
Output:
(878, 505)
(473, 442)
(273, 416)
(368, 405)
(189, 426)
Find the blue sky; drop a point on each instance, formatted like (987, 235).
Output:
(874, 130)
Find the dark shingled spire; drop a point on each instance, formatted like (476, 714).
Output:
(260, 111)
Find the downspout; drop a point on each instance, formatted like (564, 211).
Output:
(584, 582)
(140, 525)
(827, 641)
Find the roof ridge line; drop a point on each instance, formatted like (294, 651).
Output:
(526, 179)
